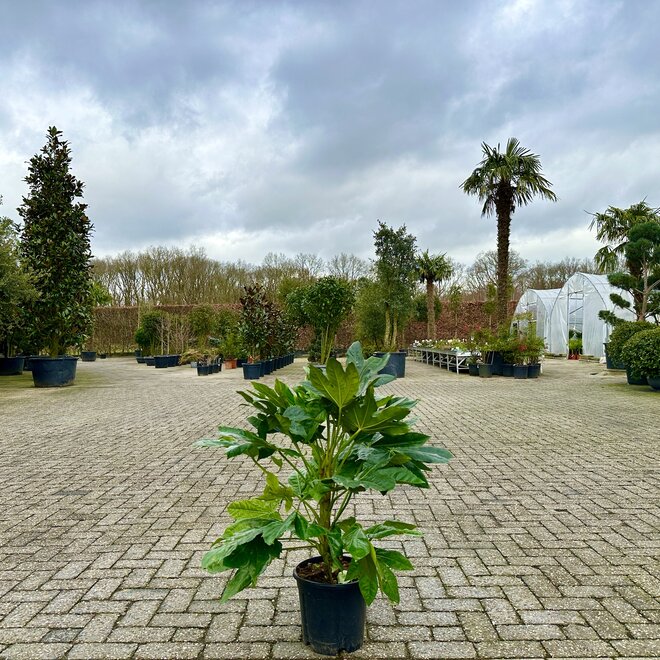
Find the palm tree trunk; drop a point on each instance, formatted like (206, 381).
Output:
(430, 308)
(504, 205)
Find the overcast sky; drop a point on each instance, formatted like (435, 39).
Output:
(249, 127)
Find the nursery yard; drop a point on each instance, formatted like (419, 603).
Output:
(541, 538)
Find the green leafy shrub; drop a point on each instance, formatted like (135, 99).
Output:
(337, 439)
(641, 353)
(624, 331)
(148, 334)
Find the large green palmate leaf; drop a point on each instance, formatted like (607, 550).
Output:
(239, 441)
(365, 415)
(253, 508)
(368, 369)
(336, 384)
(391, 528)
(357, 543)
(394, 559)
(251, 559)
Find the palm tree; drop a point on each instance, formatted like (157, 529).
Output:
(504, 181)
(432, 268)
(613, 227)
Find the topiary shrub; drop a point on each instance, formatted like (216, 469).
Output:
(621, 334)
(641, 353)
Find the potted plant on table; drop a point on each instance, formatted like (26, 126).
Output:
(318, 445)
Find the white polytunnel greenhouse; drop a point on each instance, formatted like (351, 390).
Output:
(576, 308)
(537, 304)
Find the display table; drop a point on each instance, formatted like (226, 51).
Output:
(452, 360)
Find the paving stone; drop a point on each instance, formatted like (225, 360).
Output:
(539, 527)
(518, 649)
(434, 650)
(582, 649)
(170, 650)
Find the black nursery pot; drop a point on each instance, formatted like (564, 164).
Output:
(53, 372)
(333, 616)
(11, 366)
(88, 356)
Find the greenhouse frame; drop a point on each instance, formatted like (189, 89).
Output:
(576, 308)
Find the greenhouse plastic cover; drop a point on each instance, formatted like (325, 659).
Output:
(576, 307)
(539, 302)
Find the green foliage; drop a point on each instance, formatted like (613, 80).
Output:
(396, 271)
(620, 336)
(149, 332)
(337, 439)
(99, 294)
(255, 322)
(420, 307)
(202, 319)
(641, 353)
(326, 304)
(16, 289)
(370, 314)
(55, 247)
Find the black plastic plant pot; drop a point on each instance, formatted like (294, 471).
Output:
(635, 379)
(396, 365)
(103, 356)
(520, 371)
(473, 369)
(203, 369)
(53, 372)
(88, 356)
(497, 362)
(533, 370)
(11, 366)
(252, 371)
(173, 360)
(507, 370)
(161, 361)
(138, 353)
(215, 368)
(485, 370)
(654, 382)
(333, 616)
(141, 360)
(150, 360)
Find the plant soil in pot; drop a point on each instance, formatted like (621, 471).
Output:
(333, 616)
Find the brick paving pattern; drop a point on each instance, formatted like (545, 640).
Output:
(540, 537)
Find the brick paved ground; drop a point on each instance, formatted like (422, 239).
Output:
(540, 538)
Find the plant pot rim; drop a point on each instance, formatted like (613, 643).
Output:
(59, 357)
(321, 585)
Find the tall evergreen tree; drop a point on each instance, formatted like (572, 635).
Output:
(55, 247)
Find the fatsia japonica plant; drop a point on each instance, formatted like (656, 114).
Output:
(318, 445)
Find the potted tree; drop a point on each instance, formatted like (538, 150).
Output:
(326, 304)
(55, 247)
(340, 439)
(254, 328)
(642, 357)
(15, 292)
(396, 270)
